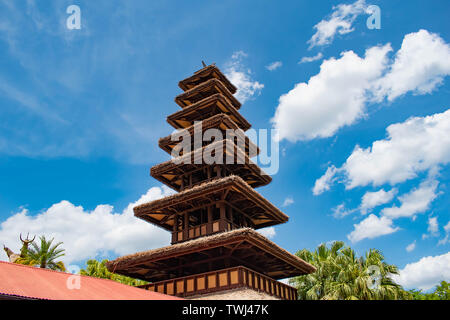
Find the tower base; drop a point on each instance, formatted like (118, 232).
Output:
(236, 294)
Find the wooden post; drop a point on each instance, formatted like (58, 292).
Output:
(186, 226)
(208, 169)
(175, 229)
(210, 220)
(230, 217)
(222, 216)
(218, 169)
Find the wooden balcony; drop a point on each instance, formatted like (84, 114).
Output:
(204, 229)
(222, 280)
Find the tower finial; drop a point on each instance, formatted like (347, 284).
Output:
(203, 63)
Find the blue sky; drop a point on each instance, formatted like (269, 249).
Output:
(82, 111)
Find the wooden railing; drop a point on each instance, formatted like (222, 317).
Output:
(226, 279)
(204, 229)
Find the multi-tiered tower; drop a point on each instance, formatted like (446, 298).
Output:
(215, 249)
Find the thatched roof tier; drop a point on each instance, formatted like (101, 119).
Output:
(232, 161)
(240, 247)
(202, 75)
(204, 90)
(204, 109)
(233, 191)
(221, 122)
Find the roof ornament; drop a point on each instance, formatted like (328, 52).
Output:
(27, 241)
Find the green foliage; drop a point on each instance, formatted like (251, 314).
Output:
(341, 275)
(45, 255)
(98, 269)
(441, 292)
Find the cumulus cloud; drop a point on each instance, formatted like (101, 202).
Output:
(419, 66)
(447, 233)
(433, 226)
(288, 201)
(340, 211)
(419, 144)
(371, 227)
(268, 232)
(339, 94)
(89, 234)
(274, 65)
(370, 200)
(333, 98)
(425, 273)
(374, 199)
(416, 201)
(240, 76)
(311, 59)
(324, 183)
(411, 246)
(340, 21)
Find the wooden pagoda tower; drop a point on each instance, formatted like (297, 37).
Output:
(215, 252)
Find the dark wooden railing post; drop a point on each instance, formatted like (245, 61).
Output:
(210, 220)
(186, 227)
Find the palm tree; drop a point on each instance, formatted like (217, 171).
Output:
(45, 255)
(98, 269)
(342, 275)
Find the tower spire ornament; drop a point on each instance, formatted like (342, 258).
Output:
(215, 251)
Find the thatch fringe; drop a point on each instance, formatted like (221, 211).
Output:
(209, 187)
(205, 104)
(218, 239)
(210, 87)
(211, 71)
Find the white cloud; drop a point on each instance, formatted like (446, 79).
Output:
(370, 200)
(411, 246)
(371, 227)
(416, 201)
(89, 234)
(425, 273)
(333, 98)
(268, 232)
(288, 201)
(420, 66)
(311, 59)
(433, 225)
(274, 65)
(419, 144)
(340, 21)
(340, 211)
(240, 76)
(447, 233)
(374, 199)
(339, 94)
(324, 183)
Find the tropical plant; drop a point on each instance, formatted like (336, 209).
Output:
(45, 255)
(342, 275)
(441, 292)
(98, 269)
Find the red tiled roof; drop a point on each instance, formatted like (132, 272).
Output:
(19, 281)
